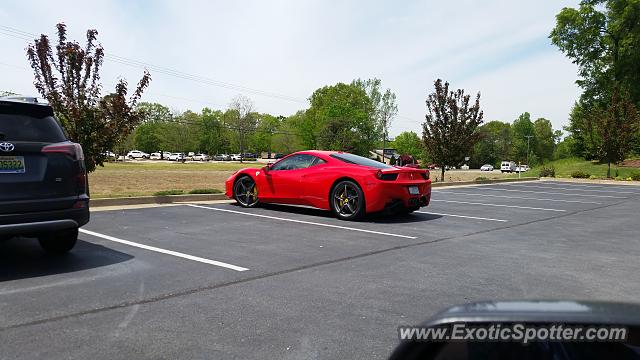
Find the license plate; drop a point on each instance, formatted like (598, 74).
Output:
(413, 190)
(12, 165)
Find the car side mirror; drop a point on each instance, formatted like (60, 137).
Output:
(266, 168)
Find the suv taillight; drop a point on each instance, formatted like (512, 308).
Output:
(73, 150)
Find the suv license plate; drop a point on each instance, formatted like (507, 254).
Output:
(12, 165)
(413, 190)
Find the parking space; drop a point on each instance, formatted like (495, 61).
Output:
(204, 280)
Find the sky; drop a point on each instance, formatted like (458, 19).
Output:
(278, 52)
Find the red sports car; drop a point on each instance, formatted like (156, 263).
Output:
(348, 185)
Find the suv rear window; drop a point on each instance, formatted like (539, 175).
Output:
(27, 128)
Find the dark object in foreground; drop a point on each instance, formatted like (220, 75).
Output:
(607, 320)
(43, 180)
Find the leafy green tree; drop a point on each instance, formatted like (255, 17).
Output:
(339, 118)
(384, 105)
(523, 140)
(287, 139)
(450, 128)
(7, 93)
(603, 38)
(409, 143)
(148, 137)
(494, 144)
(154, 112)
(545, 139)
(213, 137)
(69, 78)
(266, 129)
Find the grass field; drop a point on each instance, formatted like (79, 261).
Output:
(146, 178)
(564, 168)
(141, 178)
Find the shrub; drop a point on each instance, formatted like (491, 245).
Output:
(168, 192)
(635, 176)
(481, 179)
(548, 172)
(593, 177)
(205, 191)
(580, 175)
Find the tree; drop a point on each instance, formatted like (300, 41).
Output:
(383, 106)
(545, 139)
(408, 143)
(7, 93)
(523, 139)
(154, 112)
(213, 137)
(242, 119)
(603, 38)
(69, 80)
(267, 126)
(494, 144)
(616, 125)
(339, 118)
(449, 131)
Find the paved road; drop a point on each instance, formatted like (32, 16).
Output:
(218, 281)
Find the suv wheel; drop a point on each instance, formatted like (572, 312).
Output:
(59, 242)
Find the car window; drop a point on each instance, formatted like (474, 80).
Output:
(27, 128)
(359, 160)
(300, 161)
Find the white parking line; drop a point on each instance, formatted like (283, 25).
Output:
(551, 193)
(521, 197)
(499, 205)
(595, 186)
(302, 221)
(163, 251)
(573, 189)
(460, 216)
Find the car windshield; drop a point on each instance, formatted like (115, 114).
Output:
(359, 160)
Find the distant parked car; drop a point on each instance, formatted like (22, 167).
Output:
(249, 156)
(222, 157)
(486, 167)
(176, 157)
(522, 168)
(507, 166)
(278, 156)
(109, 155)
(235, 157)
(135, 154)
(200, 157)
(154, 156)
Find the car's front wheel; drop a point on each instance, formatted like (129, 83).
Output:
(59, 242)
(245, 192)
(347, 201)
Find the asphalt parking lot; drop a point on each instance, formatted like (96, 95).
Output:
(218, 281)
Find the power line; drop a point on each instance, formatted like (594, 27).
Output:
(23, 35)
(13, 32)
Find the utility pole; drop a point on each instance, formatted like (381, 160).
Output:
(528, 138)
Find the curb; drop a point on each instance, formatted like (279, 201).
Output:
(476, 182)
(170, 199)
(167, 199)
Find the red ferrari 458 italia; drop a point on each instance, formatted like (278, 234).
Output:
(348, 185)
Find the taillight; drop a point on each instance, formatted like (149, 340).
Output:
(72, 150)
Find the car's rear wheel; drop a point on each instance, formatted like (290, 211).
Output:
(347, 200)
(59, 242)
(245, 192)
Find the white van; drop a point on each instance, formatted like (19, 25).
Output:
(507, 166)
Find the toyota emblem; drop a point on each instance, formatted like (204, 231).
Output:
(7, 147)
